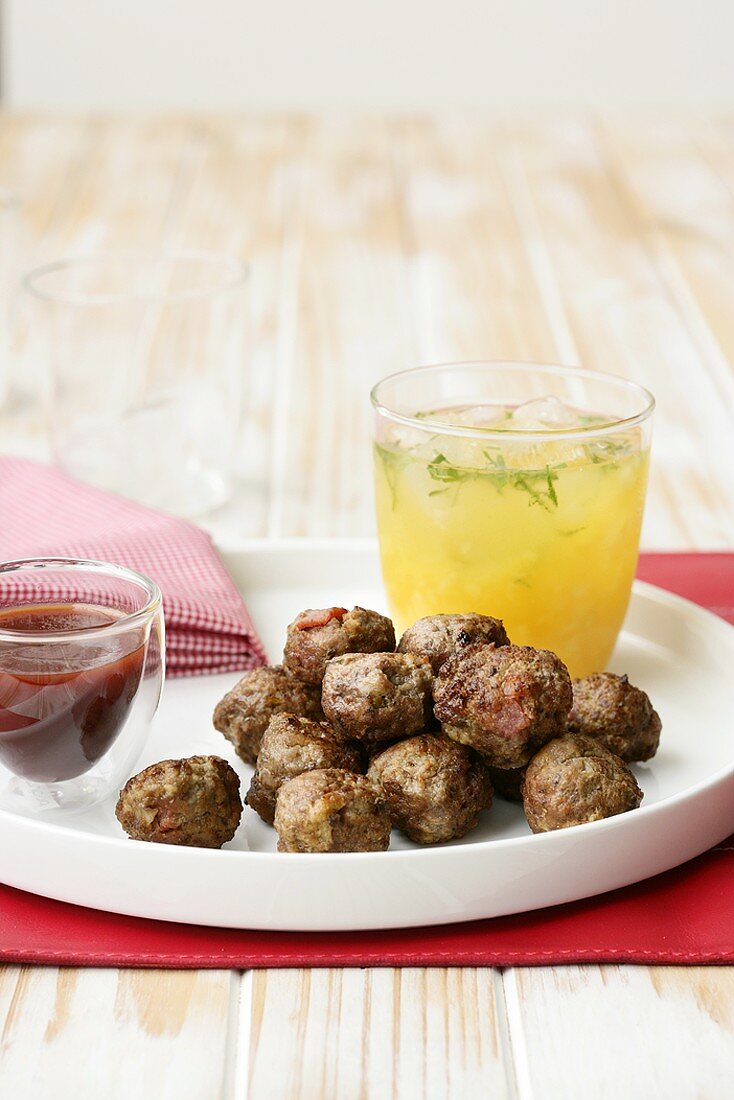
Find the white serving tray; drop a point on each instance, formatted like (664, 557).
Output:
(683, 656)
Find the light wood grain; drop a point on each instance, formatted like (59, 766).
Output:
(633, 1032)
(93, 1033)
(616, 312)
(410, 1034)
(379, 244)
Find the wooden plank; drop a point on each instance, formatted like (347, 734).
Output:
(637, 1032)
(245, 198)
(345, 322)
(404, 1034)
(100, 185)
(472, 284)
(126, 181)
(614, 309)
(82, 1034)
(678, 180)
(39, 158)
(38, 162)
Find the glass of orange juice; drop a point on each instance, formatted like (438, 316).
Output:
(515, 490)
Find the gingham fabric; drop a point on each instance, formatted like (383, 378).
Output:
(44, 513)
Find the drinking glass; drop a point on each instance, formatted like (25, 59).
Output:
(514, 490)
(146, 357)
(81, 671)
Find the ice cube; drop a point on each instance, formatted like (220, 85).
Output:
(479, 416)
(542, 413)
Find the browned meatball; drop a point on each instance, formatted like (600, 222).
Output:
(573, 780)
(314, 637)
(244, 712)
(504, 702)
(195, 802)
(331, 811)
(292, 745)
(377, 696)
(438, 636)
(506, 782)
(434, 788)
(617, 714)
(371, 749)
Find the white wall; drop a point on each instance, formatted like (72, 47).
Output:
(395, 54)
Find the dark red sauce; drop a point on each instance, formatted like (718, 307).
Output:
(62, 705)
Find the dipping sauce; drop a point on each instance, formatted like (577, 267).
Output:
(540, 533)
(62, 708)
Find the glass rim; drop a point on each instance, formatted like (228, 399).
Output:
(240, 276)
(438, 427)
(117, 626)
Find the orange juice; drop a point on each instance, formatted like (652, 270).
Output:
(541, 534)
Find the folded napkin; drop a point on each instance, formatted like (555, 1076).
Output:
(44, 513)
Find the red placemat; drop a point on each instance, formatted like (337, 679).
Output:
(683, 916)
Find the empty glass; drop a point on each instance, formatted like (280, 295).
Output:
(146, 359)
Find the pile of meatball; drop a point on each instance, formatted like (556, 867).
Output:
(352, 736)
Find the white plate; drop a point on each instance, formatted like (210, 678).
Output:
(682, 655)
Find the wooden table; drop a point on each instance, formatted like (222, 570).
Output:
(378, 244)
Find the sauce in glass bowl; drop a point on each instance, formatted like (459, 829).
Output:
(60, 714)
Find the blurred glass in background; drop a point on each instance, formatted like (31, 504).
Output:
(146, 359)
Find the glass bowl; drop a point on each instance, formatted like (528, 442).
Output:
(81, 670)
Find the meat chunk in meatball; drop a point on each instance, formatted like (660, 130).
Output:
(433, 787)
(506, 782)
(438, 636)
(616, 714)
(505, 701)
(315, 637)
(331, 811)
(378, 696)
(244, 712)
(290, 746)
(195, 802)
(574, 779)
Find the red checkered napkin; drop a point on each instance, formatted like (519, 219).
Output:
(44, 513)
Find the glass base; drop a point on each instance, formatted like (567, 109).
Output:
(170, 454)
(23, 796)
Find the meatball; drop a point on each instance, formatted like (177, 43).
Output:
(616, 714)
(290, 746)
(331, 811)
(438, 636)
(371, 749)
(377, 696)
(244, 712)
(314, 637)
(195, 802)
(505, 701)
(506, 782)
(574, 779)
(434, 788)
